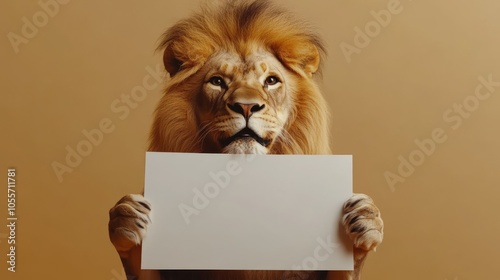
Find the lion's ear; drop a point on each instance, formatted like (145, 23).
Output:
(303, 56)
(311, 59)
(172, 63)
(185, 54)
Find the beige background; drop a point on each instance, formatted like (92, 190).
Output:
(441, 222)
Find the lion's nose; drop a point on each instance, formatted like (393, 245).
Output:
(245, 109)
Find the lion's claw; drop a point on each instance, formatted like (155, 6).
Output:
(362, 222)
(128, 222)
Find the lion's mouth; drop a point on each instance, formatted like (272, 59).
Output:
(245, 133)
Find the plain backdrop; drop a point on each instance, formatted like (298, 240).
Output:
(408, 79)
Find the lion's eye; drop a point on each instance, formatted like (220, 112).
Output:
(271, 81)
(216, 81)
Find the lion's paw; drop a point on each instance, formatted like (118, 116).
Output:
(128, 222)
(362, 222)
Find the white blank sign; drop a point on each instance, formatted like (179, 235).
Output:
(249, 212)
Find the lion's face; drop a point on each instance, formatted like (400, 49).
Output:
(244, 102)
(241, 81)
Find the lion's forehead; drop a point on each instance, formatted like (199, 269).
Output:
(254, 65)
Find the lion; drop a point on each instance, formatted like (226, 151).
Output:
(242, 81)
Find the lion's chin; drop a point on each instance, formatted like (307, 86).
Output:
(245, 145)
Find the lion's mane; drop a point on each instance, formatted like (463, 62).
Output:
(239, 26)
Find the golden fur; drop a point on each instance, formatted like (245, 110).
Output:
(240, 27)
